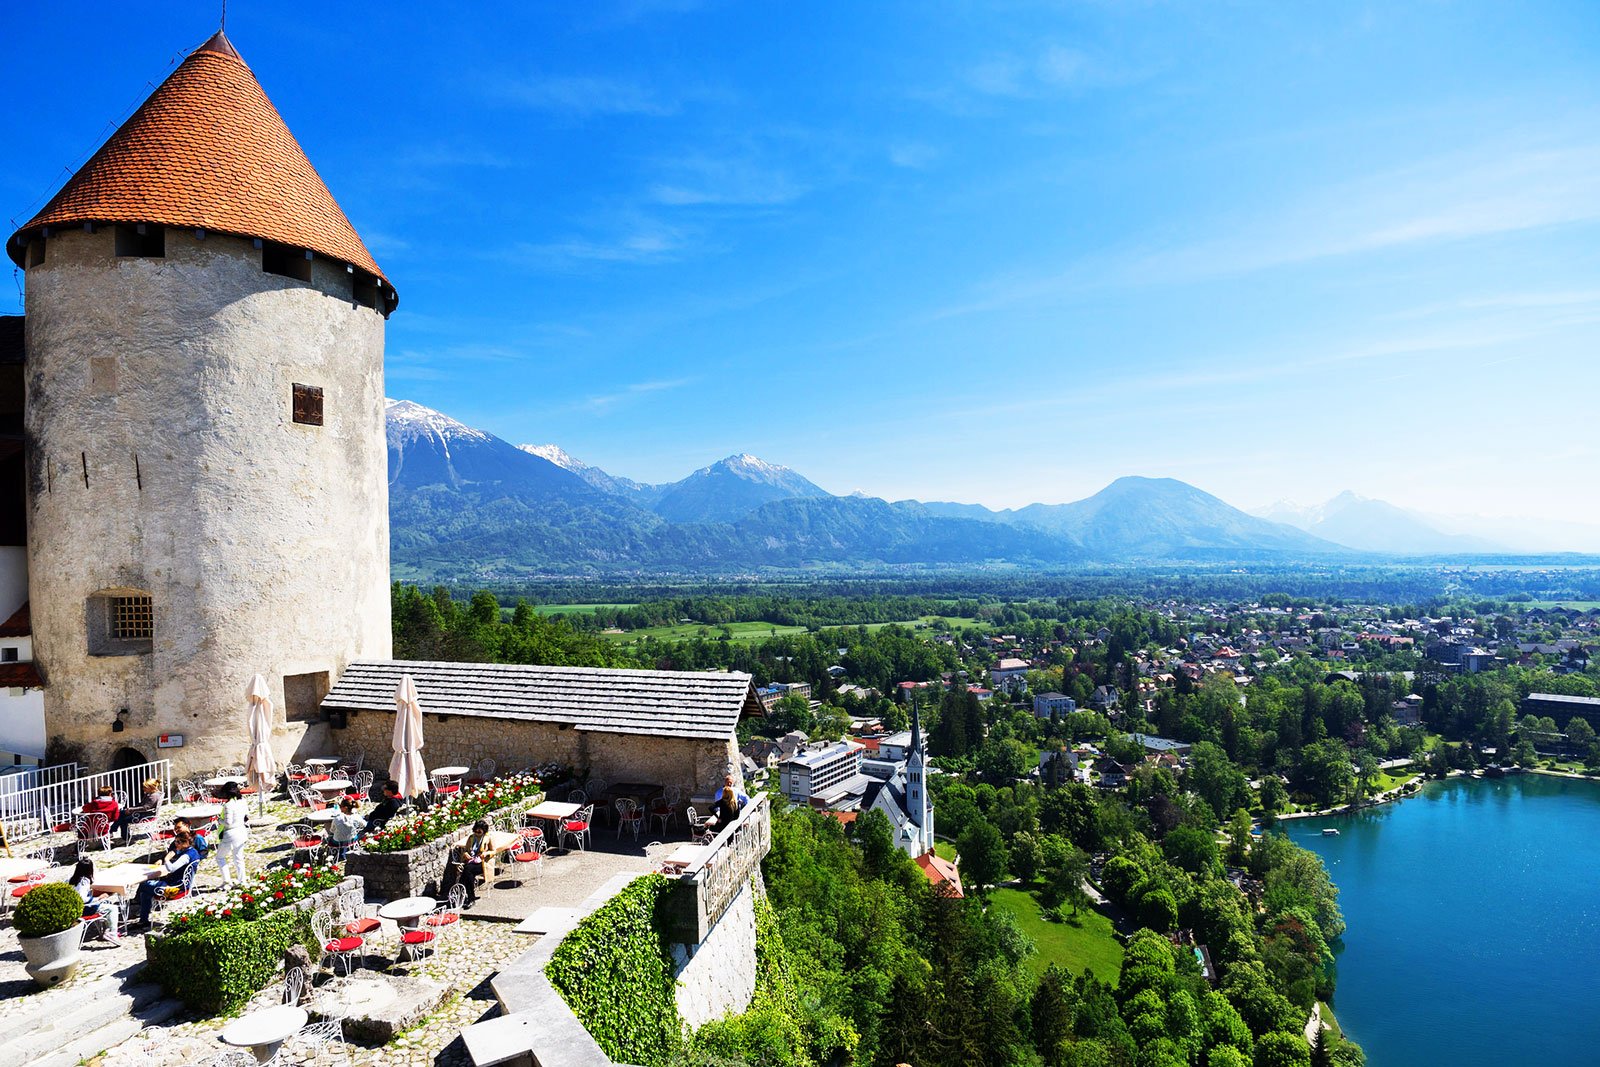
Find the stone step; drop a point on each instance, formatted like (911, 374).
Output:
(75, 1015)
(87, 1046)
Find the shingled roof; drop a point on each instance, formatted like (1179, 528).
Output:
(207, 150)
(695, 704)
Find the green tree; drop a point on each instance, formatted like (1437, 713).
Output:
(1273, 795)
(1283, 1050)
(1213, 778)
(983, 855)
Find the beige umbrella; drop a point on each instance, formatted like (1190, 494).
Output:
(406, 767)
(261, 767)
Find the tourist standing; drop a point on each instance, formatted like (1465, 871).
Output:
(233, 833)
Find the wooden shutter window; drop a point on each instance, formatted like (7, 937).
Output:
(308, 404)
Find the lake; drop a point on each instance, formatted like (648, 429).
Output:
(1474, 923)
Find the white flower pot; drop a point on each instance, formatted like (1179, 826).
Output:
(53, 959)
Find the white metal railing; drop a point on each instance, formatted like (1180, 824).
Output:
(27, 776)
(27, 812)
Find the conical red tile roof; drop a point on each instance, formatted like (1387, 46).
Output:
(207, 150)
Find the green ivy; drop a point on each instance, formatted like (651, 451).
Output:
(615, 972)
(217, 968)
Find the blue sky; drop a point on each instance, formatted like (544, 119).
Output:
(997, 252)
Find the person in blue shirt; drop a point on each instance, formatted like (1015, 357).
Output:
(171, 873)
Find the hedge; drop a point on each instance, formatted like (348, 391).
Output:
(217, 968)
(615, 971)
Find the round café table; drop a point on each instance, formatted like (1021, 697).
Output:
(317, 817)
(222, 780)
(263, 1031)
(332, 785)
(407, 913)
(322, 761)
(452, 772)
(193, 812)
(16, 866)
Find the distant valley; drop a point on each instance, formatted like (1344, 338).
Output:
(467, 505)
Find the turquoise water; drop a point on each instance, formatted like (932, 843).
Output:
(1474, 915)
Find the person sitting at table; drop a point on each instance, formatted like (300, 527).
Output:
(728, 802)
(202, 847)
(387, 808)
(97, 906)
(467, 865)
(343, 829)
(147, 808)
(105, 802)
(233, 832)
(164, 878)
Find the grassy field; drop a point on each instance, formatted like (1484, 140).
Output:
(946, 850)
(1571, 605)
(575, 609)
(1386, 781)
(741, 631)
(1086, 942)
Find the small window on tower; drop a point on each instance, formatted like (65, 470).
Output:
(308, 404)
(8, 654)
(35, 252)
(132, 618)
(289, 262)
(141, 240)
(121, 622)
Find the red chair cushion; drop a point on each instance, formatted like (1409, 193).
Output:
(442, 920)
(577, 827)
(61, 827)
(528, 857)
(22, 890)
(448, 789)
(17, 879)
(417, 937)
(362, 926)
(344, 944)
(308, 842)
(317, 778)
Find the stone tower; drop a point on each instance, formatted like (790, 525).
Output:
(206, 486)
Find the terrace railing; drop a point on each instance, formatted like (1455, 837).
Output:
(710, 886)
(32, 811)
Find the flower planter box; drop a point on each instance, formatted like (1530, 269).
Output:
(219, 968)
(418, 872)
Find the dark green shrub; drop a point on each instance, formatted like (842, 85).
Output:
(217, 968)
(615, 971)
(48, 909)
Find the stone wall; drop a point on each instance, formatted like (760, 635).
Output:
(693, 766)
(163, 458)
(718, 976)
(418, 872)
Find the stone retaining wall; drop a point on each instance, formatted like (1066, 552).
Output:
(418, 872)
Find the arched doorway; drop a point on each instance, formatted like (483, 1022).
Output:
(127, 757)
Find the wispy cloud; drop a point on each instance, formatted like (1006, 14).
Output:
(639, 241)
(582, 96)
(605, 402)
(724, 181)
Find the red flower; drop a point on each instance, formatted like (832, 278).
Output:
(278, 895)
(226, 912)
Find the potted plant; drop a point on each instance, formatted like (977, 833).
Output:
(49, 923)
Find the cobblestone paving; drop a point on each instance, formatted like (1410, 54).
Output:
(474, 953)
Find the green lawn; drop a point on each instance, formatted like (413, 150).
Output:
(1386, 781)
(946, 850)
(575, 609)
(1087, 941)
(742, 631)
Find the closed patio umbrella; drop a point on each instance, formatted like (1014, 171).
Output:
(261, 767)
(406, 767)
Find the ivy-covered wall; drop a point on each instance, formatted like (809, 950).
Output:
(615, 971)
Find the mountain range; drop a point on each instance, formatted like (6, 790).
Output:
(466, 504)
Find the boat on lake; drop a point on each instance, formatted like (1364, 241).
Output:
(1330, 832)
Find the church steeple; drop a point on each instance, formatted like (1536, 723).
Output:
(919, 807)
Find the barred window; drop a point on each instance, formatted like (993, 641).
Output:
(132, 618)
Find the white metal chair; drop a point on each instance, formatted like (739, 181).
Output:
(94, 829)
(578, 826)
(307, 840)
(343, 947)
(529, 854)
(324, 1037)
(699, 827)
(664, 808)
(422, 940)
(121, 797)
(445, 785)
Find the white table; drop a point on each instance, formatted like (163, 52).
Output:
(322, 761)
(554, 809)
(453, 772)
(407, 911)
(323, 816)
(219, 782)
(332, 785)
(11, 866)
(263, 1031)
(685, 856)
(123, 878)
(197, 811)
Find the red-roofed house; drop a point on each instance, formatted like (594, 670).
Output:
(940, 871)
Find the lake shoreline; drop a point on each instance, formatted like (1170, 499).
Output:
(1401, 793)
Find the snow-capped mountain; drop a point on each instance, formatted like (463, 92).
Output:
(427, 447)
(730, 489)
(606, 483)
